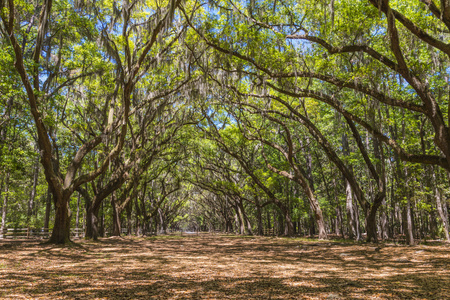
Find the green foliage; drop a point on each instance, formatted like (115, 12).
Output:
(241, 106)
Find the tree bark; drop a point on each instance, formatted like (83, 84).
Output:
(288, 225)
(146, 228)
(351, 218)
(5, 204)
(139, 214)
(33, 190)
(128, 209)
(77, 217)
(93, 230)
(440, 210)
(61, 228)
(163, 225)
(62, 187)
(48, 207)
(384, 221)
(117, 228)
(269, 225)
(245, 219)
(238, 219)
(409, 223)
(259, 220)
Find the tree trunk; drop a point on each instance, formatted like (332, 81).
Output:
(92, 222)
(138, 219)
(383, 221)
(358, 223)
(61, 228)
(288, 226)
(33, 190)
(337, 222)
(238, 220)
(229, 225)
(371, 221)
(245, 218)
(279, 225)
(48, 207)
(351, 218)
(129, 209)
(445, 208)
(77, 217)
(5, 205)
(101, 227)
(371, 226)
(441, 213)
(163, 225)
(308, 187)
(117, 228)
(259, 218)
(146, 220)
(429, 225)
(409, 223)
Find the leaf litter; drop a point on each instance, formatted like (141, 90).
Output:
(222, 267)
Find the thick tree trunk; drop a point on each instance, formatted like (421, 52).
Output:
(92, 223)
(321, 226)
(89, 231)
(371, 226)
(371, 219)
(61, 228)
(288, 225)
(245, 220)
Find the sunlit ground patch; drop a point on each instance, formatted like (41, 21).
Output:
(223, 267)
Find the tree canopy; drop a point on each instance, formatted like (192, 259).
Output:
(324, 117)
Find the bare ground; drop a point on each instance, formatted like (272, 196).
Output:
(222, 267)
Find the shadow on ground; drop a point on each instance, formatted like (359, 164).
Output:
(222, 267)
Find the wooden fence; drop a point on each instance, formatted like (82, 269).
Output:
(36, 233)
(268, 231)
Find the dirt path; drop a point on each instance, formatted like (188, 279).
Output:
(222, 267)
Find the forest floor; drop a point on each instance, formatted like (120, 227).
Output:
(222, 267)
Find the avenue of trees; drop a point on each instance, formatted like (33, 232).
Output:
(323, 117)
